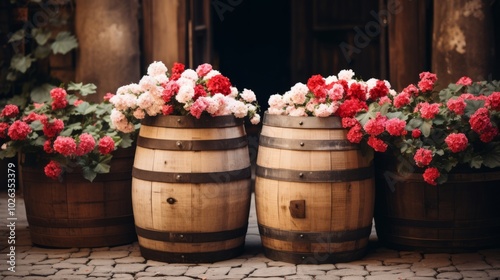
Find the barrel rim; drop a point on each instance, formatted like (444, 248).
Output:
(174, 121)
(302, 122)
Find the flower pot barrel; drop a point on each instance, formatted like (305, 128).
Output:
(79, 213)
(314, 191)
(191, 188)
(460, 215)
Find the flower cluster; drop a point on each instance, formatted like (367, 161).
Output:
(182, 92)
(340, 95)
(435, 131)
(65, 132)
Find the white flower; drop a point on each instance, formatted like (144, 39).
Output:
(183, 81)
(297, 112)
(238, 108)
(331, 79)
(322, 110)
(139, 114)
(161, 79)
(190, 74)
(248, 95)
(371, 83)
(345, 74)
(185, 94)
(276, 111)
(336, 92)
(234, 92)
(298, 93)
(210, 74)
(255, 119)
(147, 83)
(145, 100)
(276, 101)
(157, 68)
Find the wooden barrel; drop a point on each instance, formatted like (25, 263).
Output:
(79, 213)
(461, 215)
(314, 191)
(191, 188)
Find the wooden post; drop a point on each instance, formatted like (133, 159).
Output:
(463, 40)
(408, 42)
(108, 35)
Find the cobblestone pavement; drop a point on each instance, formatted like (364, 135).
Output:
(126, 262)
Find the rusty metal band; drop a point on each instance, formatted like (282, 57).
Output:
(185, 257)
(315, 257)
(327, 176)
(195, 178)
(191, 237)
(192, 122)
(306, 145)
(80, 223)
(315, 237)
(302, 122)
(192, 145)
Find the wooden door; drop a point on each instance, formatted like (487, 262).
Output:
(328, 36)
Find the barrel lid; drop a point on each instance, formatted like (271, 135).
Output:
(189, 121)
(302, 122)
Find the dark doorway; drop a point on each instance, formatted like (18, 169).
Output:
(251, 40)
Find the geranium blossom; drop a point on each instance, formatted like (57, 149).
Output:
(457, 142)
(85, 145)
(106, 145)
(9, 111)
(430, 175)
(53, 170)
(58, 98)
(66, 146)
(19, 130)
(423, 157)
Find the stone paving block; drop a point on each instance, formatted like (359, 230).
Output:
(43, 272)
(76, 260)
(265, 278)
(465, 258)
(432, 263)
(83, 253)
(419, 278)
(405, 271)
(86, 269)
(97, 262)
(274, 271)
(70, 277)
(477, 265)
(388, 277)
(168, 270)
(386, 267)
(65, 265)
(62, 256)
(220, 277)
(446, 269)
(240, 270)
(123, 276)
(194, 271)
(299, 277)
(279, 263)
(131, 260)
(449, 275)
(309, 271)
(108, 254)
(493, 273)
(353, 278)
(331, 277)
(424, 272)
(35, 258)
(99, 249)
(50, 261)
(254, 263)
(66, 271)
(217, 271)
(103, 269)
(474, 274)
(165, 278)
(228, 263)
(347, 272)
(128, 268)
(101, 274)
(362, 262)
(154, 263)
(409, 260)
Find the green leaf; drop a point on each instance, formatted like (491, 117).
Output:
(21, 63)
(36, 125)
(392, 115)
(472, 106)
(126, 141)
(102, 168)
(41, 36)
(476, 162)
(42, 52)
(17, 36)
(425, 127)
(88, 173)
(41, 93)
(492, 158)
(64, 43)
(414, 123)
(85, 108)
(83, 89)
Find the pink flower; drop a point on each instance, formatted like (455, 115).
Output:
(203, 69)
(108, 96)
(430, 175)
(170, 89)
(3, 129)
(383, 100)
(77, 102)
(349, 122)
(167, 110)
(395, 127)
(402, 99)
(423, 157)
(47, 147)
(480, 120)
(429, 111)
(416, 133)
(428, 76)
(411, 90)
(106, 145)
(494, 101)
(488, 134)
(377, 144)
(9, 111)
(58, 98)
(456, 105)
(53, 170)
(19, 130)
(457, 142)
(375, 126)
(53, 129)
(427, 81)
(198, 107)
(66, 146)
(466, 81)
(86, 144)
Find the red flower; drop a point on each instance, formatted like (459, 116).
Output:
(53, 129)
(357, 90)
(31, 117)
(47, 147)
(58, 98)
(466, 81)
(219, 84)
(430, 175)
(349, 122)
(106, 145)
(395, 127)
(350, 107)
(86, 144)
(457, 142)
(411, 90)
(199, 91)
(53, 170)
(377, 144)
(3, 129)
(355, 134)
(494, 101)
(380, 90)
(428, 76)
(19, 130)
(314, 82)
(480, 120)
(416, 133)
(66, 146)
(177, 70)
(456, 105)
(488, 134)
(423, 157)
(429, 111)
(9, 111)
(402, 99)
(167, 109)
(108, 96)
(427, 81)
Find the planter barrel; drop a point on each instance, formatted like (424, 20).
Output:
(191, 188)
(79, 213)
(314, 191)
(460, 215)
